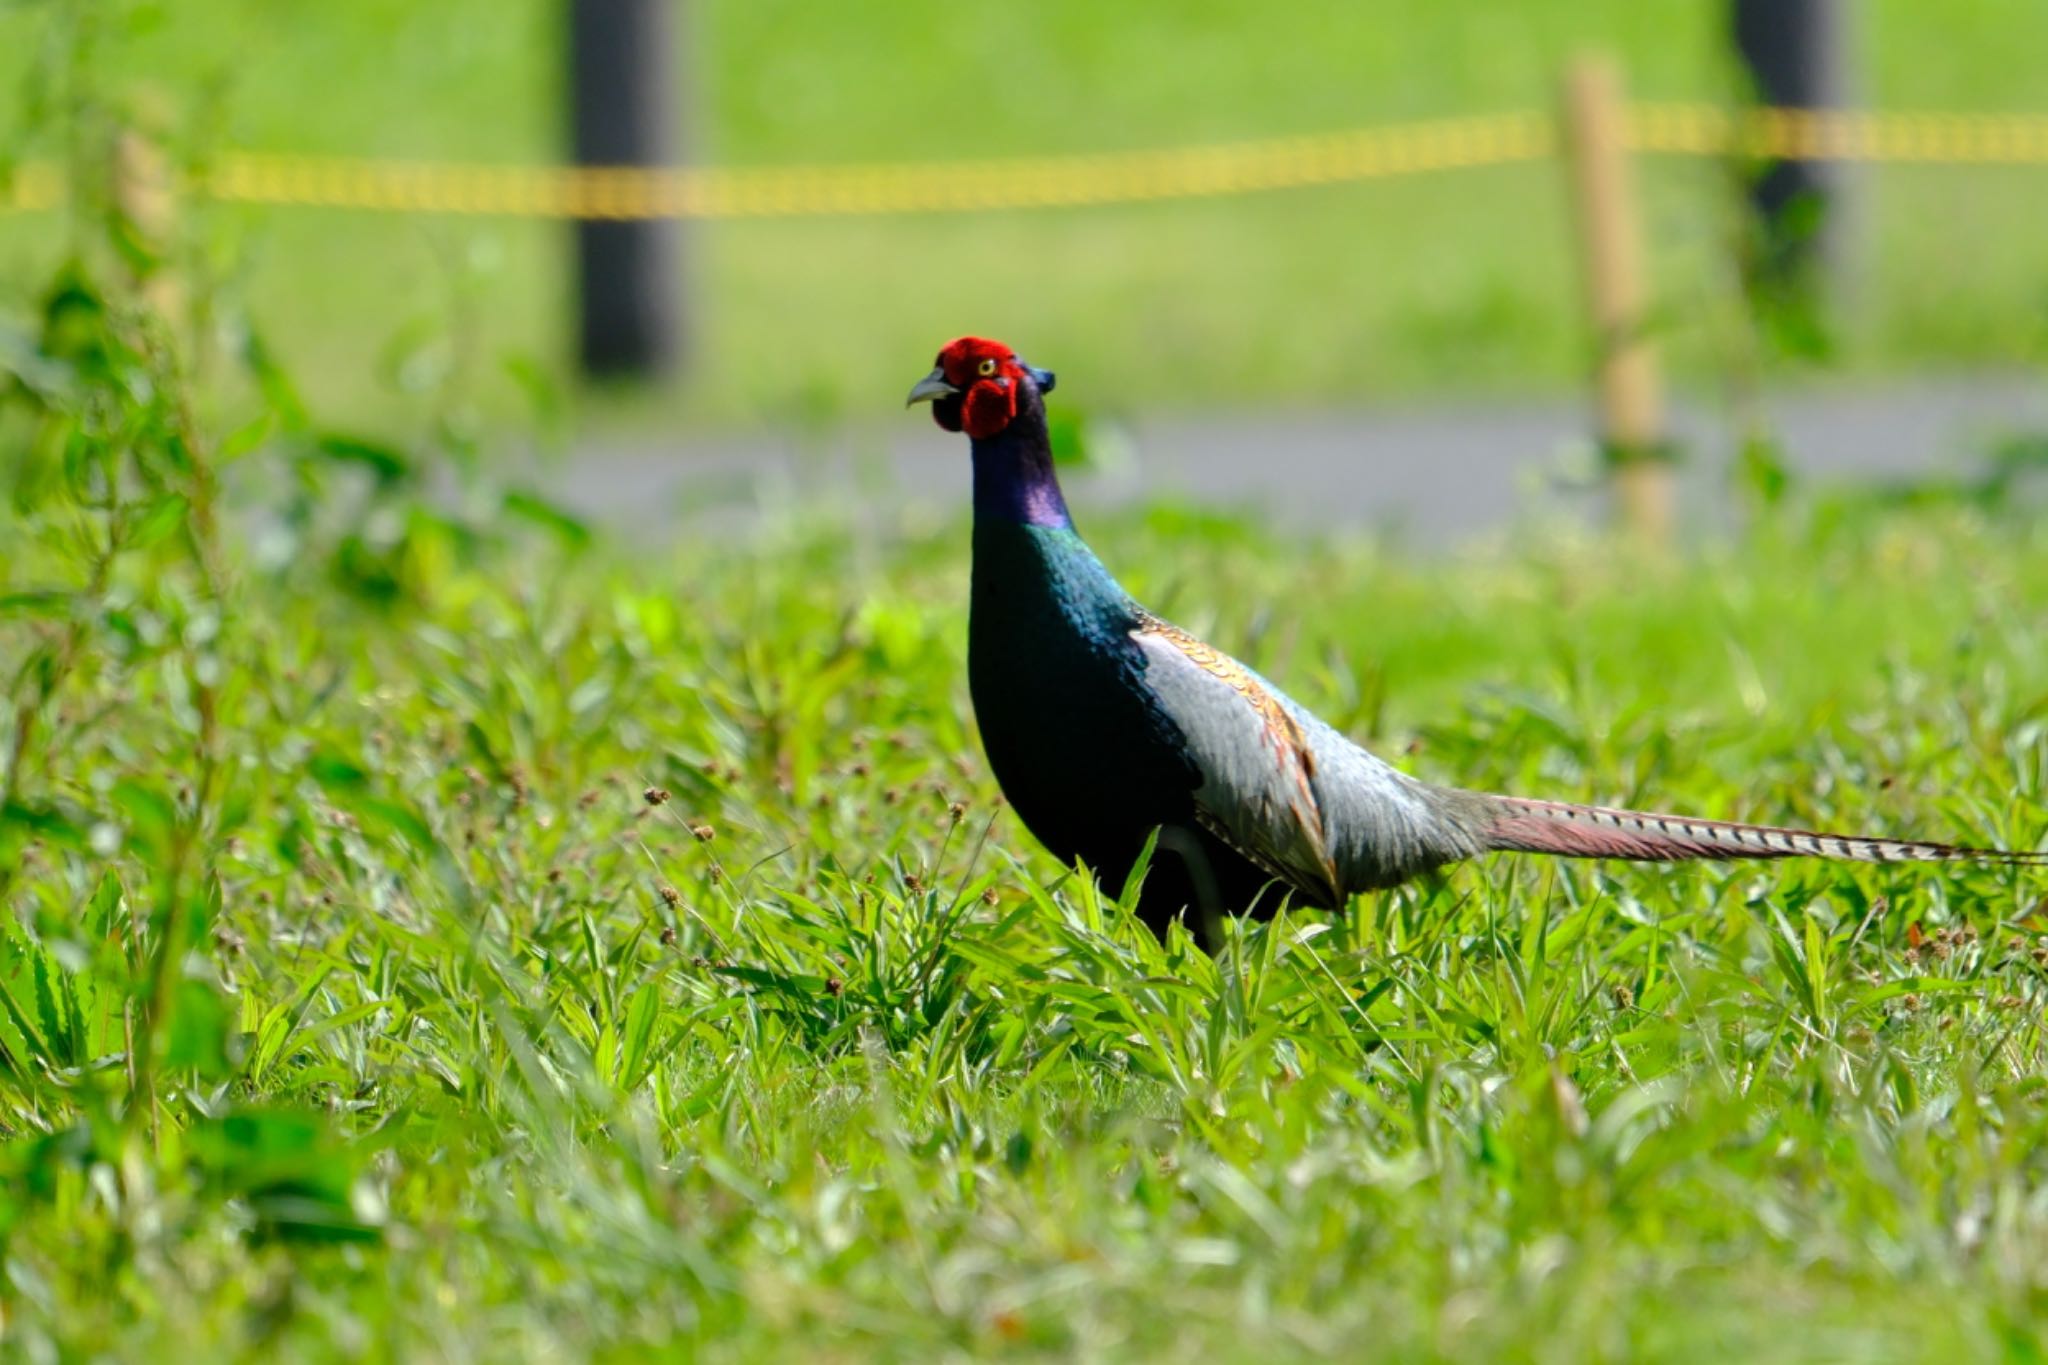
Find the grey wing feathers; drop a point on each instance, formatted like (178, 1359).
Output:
(1255, 792)
(1382, 825)
(1285, 789)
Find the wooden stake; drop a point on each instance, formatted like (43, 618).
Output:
(1630, 396)
(146, 201)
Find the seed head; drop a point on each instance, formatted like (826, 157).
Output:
(656, 796)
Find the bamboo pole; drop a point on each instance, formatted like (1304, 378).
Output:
(1629, 393)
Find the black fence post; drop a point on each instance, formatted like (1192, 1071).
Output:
(623, 112)
(1797, 52)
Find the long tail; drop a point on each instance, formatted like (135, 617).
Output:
(1513, 822)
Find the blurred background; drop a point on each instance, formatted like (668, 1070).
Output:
(1410, 347)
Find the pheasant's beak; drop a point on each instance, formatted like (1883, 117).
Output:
(931, 387)
(1042, 378)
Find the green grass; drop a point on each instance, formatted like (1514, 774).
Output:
(1458, 283)
(436, 937)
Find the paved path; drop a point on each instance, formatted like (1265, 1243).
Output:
(1433, 474)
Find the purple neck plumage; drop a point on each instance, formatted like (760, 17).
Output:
(1013, 475)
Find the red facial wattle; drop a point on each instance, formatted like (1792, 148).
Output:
(975, 385)
(988, 406)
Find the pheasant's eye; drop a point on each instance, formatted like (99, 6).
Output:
(987, 367)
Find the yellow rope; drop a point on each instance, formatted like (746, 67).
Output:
(930, 187)
(1067, 181)
(1840, 134)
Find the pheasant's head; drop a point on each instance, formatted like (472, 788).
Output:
(977, 386)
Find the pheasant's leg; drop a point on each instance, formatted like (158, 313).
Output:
(1207, 908)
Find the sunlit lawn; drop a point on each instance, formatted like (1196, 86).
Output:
(461, 939)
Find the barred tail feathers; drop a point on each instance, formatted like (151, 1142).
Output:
(1528, 826)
